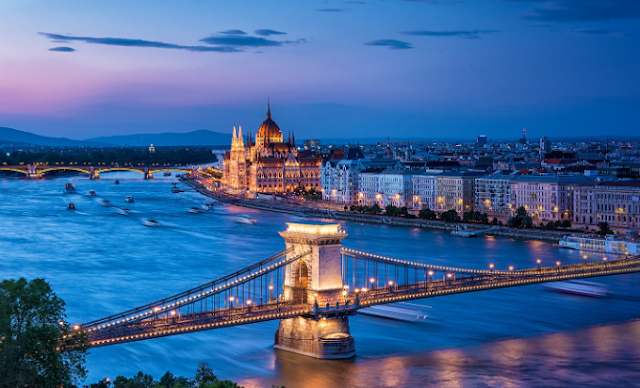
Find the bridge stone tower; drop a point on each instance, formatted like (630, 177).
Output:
(315, 280)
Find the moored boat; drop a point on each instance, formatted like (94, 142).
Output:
(128, 199)
(194, 210)
(167, 173)
(610, 244)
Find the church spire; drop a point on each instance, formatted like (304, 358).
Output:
(240, 140)
(235, 138)
(268, 108)
(289, 136)
(294, 139)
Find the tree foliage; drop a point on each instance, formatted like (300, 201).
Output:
(427, 214)
(521, 219)
(36, 349)
(450, 216)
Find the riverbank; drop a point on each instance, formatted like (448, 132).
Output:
(290, 208)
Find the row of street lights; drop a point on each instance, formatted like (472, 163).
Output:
(538, 261)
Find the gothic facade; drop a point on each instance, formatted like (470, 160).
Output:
(268, 164)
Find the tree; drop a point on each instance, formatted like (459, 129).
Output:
(483, 217)
(550, 224)
(391, 210)
(375, 209)
(36, 346)
(495, 221)
(566, 224)
(450, 216)
(204, 374)
(427, 214)
(557, 224)
(521, 212)
(604, 227)
(527, 222)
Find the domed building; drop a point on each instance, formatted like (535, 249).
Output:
(268, 164)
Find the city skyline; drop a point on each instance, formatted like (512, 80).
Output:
(417, 69)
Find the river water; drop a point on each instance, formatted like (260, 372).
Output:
(100, 263)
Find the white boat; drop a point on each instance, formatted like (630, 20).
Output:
(69, 188)
(246, 220)
(150, 223)
(610, 244)
(399, 311)
(124, 212)
(105, 203)
(195, 210)
(579, 287)
(167, 173)
(128, 199)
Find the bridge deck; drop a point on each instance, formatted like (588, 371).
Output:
(160, 326)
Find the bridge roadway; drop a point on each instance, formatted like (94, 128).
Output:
(154, 326)
(38, 171)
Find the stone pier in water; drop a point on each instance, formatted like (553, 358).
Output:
(316, 280)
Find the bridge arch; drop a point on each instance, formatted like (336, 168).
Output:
(25, 172)
(84, 170)
(300, 282)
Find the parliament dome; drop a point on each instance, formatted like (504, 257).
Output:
(269, 132)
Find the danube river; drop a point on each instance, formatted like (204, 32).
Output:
(100, 263)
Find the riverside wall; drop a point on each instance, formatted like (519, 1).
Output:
(531, 234)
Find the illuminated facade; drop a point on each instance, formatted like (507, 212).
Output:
(268, 164)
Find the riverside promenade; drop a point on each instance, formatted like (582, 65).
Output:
(335, 212)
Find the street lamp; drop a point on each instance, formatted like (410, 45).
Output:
(558, 264)
(430, 274)
(372, 280)
(585, 259)
(604, 260)
(539, 261)
(231, 299)
(511, 268)
(491, 267)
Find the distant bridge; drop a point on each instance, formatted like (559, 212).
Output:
(312, 287)
(39, 171)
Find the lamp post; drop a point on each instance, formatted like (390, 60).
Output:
(538, 262)
(430, 275)
(585, 259)
(372, 280)
(558, 264)
(491, 267)
(511, 268)
(604, 260)
(231, 298)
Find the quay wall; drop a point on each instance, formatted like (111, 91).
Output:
(532, 234)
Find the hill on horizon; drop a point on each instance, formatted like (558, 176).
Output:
(14, 136)
(200, 137)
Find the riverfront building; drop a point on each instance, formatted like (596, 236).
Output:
(424, 189)
(617, 203)
(456, 190)
(493, 196)
(546, 198)
(268, 164)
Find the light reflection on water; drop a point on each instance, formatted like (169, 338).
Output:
(101, 263)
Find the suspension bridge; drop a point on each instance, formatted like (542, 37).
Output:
(312, 287)
(39, 171)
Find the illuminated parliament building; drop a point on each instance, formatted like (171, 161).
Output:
(269, 164)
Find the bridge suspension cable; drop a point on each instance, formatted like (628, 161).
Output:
(192, 295)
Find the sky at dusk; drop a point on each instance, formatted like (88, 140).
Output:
(416, 69)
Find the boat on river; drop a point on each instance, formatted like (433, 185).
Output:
(579, 287)
(402, 311)
(246, 219)
(167, 173)
(150, 223)
(69, 188)
(92, 193)
(71, 206)
(124, 212)
(105, 203)
(610, 244)
(128, 199)
(195, 210)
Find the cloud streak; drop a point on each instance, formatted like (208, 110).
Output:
(233, 32)
(268, 32)
(392, 44)
(62, 49)
(562, 11)
(138, 43)
(470, 34)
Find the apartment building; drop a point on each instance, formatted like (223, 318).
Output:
(425, 189)
(456, 190)
(617, 203)
(546, 197)
(493, 195)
